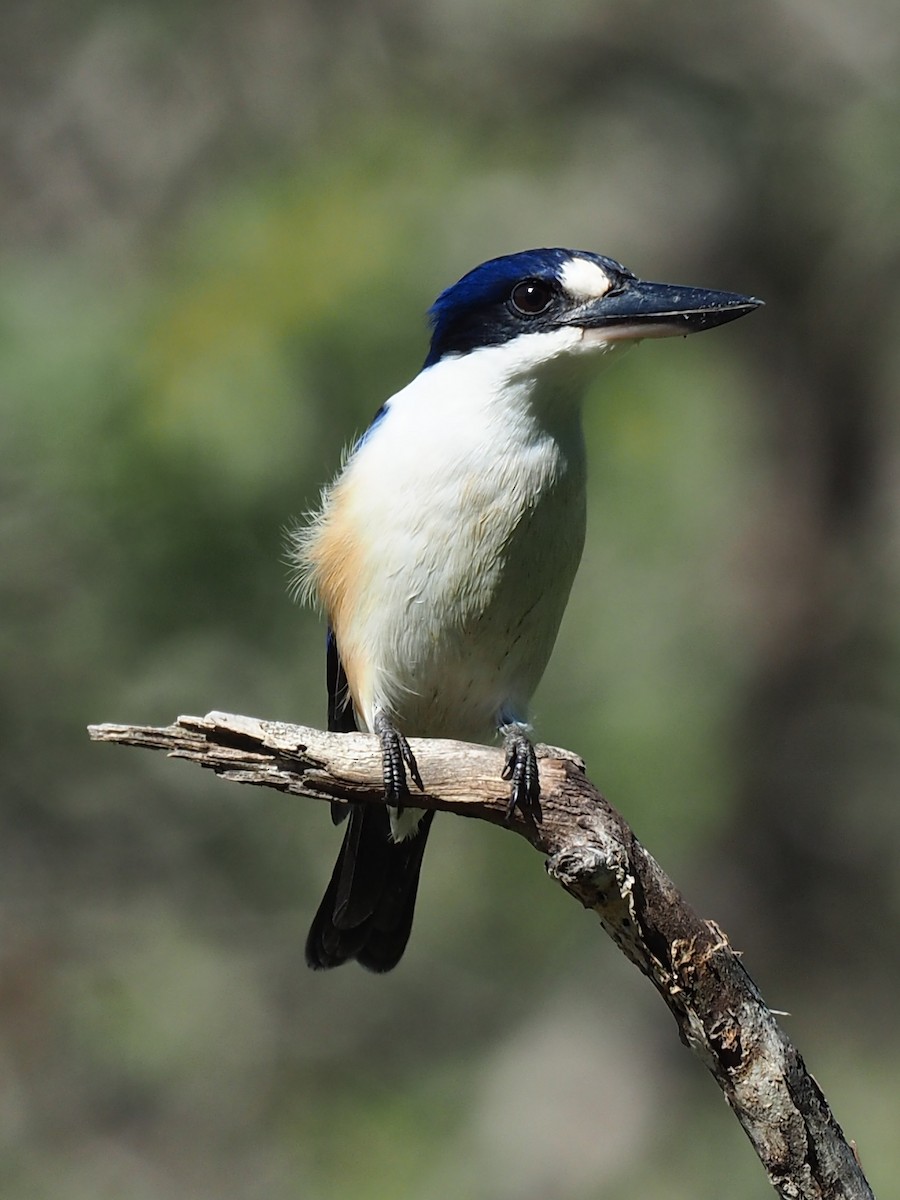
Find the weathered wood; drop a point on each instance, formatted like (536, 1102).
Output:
(593, 854)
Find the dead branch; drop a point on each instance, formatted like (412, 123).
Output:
(593, 854)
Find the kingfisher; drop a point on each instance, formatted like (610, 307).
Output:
(443, 553)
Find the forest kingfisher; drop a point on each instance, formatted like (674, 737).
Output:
(443, 553)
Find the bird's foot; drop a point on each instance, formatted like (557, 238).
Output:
(396, 760)
(521, 769)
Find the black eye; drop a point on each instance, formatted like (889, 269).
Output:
(531, 296)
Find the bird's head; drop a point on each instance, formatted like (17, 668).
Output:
(567, 301)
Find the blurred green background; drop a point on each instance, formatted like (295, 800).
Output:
(222, 225)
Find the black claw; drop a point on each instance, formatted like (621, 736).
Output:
(396, 758)
(521, 769)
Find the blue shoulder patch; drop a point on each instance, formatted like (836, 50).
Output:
(376, 420)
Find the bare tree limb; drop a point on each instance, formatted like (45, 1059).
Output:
(593, 854)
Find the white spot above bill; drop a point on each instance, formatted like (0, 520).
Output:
(584, 280)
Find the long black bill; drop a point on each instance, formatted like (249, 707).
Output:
(643, 310)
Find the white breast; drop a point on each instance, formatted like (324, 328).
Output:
(446, 549)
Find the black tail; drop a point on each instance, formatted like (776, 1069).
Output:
(367, 910)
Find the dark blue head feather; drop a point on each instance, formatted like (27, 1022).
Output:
(476, 312)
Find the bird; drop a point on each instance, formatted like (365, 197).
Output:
(443, 553)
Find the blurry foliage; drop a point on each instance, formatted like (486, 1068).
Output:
(222, 228)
